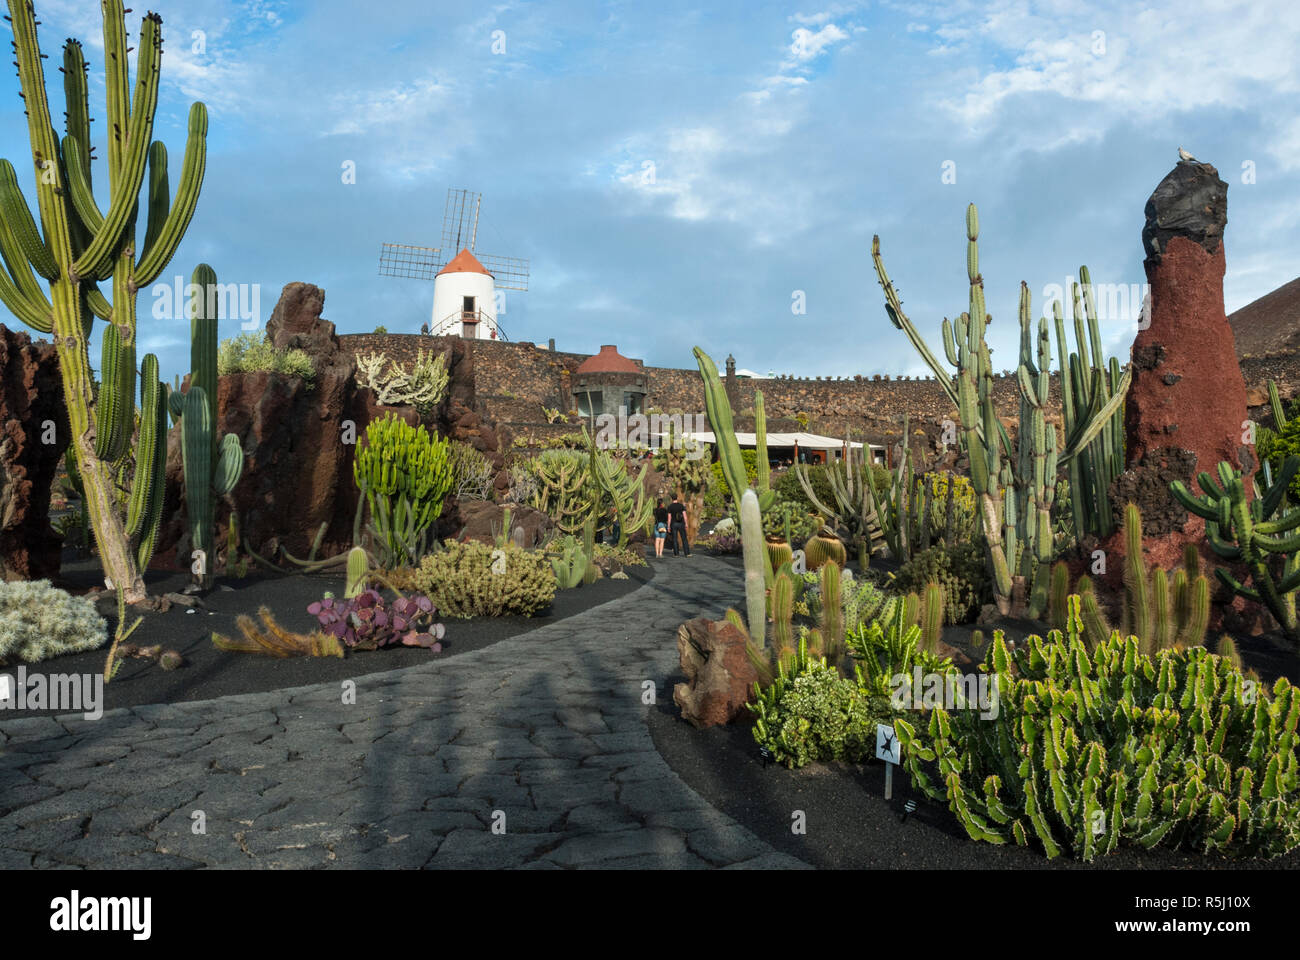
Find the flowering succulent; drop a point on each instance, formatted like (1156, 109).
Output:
(368, 622)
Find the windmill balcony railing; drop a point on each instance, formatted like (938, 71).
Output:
(472, 317)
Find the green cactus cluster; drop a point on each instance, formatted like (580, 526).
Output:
(625, 492)
(80, 245)
(404, 475)
(575, 563)
(1014, 484)
(565, 490)
(787, 522)
(959, 570)
(1260, 533)
(1090, 752)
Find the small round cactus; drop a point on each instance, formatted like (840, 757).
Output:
(170, 660)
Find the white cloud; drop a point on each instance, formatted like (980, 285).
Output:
(806, 46)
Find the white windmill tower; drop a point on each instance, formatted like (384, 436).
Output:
(465, 284)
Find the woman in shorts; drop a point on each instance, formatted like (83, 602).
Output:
(661, 527)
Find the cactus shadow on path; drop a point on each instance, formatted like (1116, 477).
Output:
(543, 735)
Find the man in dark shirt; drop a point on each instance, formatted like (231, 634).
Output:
(677, 526)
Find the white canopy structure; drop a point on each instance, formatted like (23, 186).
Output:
(802, 441)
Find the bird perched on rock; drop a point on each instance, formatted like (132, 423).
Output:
(1184, 155)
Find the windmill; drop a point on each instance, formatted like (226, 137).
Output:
(464, 282)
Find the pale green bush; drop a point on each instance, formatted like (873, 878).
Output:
(253, 352)
(38, 621)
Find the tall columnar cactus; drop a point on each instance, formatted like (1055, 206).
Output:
(718, 408)
(1275, 404)
(1088, 382)
(756, 567)
(78, 245)
(1163, 615)
(210, 467)
(1260, 533)
(1013, 486)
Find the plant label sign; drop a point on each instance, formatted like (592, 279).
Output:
(887, 749)
(5, 689)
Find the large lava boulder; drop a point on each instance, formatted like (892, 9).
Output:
(32, 415)
(719, 675)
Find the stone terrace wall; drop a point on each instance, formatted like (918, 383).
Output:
(514, 380)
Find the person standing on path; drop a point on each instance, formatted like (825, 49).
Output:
(677, 525)
(661, 527)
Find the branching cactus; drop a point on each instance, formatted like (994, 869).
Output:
(853, 514)
(78, 246)
(1263, 534)
(1087, 753)
(1014, 486)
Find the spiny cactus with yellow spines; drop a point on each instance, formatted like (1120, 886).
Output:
(51, 274)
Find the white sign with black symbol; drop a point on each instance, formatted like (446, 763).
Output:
(887, 749)
(6, 690)
(887, 744)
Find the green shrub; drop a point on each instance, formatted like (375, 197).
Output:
(816, 715)
(959, 569)
(1274, 446)
(460, 581)
(253, 352)
(788, 488)
(1090, 752)
(750, 458)
(38, 621)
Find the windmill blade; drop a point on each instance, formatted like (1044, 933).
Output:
(406, 260)
(460, 221)
(509, 273)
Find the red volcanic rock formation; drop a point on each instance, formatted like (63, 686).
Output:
(1187, 403)
(297, 462)
(31, 395)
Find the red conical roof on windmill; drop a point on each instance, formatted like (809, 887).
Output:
(609, 360)
(464, 262)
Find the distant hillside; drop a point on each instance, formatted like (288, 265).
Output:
(1269, 325)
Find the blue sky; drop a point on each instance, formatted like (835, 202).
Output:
(781, 136)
